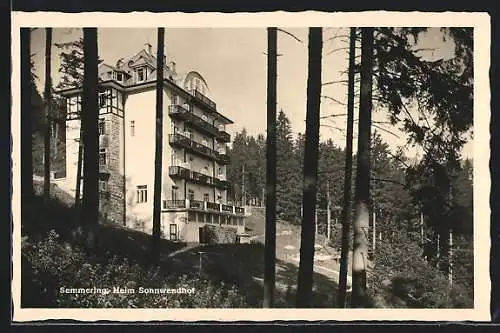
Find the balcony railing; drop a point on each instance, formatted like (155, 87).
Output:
(188, 116)
(222, 157)
(181, 172)
(223, 136)
(175, 203)
(204, 99)
(227, 208)
(193, 146)
(197, 204)
(222, 184)
(205, 206)
(213, 206)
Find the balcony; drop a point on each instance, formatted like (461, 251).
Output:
(184, 173)
(180, 112)
(196, 204)
(223, 136)
(172, 204)
(222, 157)
(203, 99)
(222, 183)
(183, 141)
(205, 206)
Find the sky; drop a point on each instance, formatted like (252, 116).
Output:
(234, 64)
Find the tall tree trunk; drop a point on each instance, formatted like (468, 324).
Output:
(56, 138)
(270, 233)
(362, 195)
(155, 246)
(79, 168)
(90, 118)
(307, 240)
(26, 120)
(346, 211)
(48, 115)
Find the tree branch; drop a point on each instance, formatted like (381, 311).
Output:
(291, 35)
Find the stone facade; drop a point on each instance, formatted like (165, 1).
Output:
(112, 194)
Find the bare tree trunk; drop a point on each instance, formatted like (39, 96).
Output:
(56, 138)
(307, 239)
(79, 168)
(346, 211)
(362, 195)
(26, 120)
(328, 214)
(90, 118)
(48, 115)
(270, 233)
(158, 148)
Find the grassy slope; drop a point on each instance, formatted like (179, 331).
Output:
(240, 264)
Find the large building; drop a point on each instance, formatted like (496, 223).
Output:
(194, 185)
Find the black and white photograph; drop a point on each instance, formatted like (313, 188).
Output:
(340, 165)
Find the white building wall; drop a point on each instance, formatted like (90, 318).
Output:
(72, 144)
(140, 107)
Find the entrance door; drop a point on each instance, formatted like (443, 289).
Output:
(201, 235)
(173, 232)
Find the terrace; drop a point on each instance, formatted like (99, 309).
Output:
(205, 206)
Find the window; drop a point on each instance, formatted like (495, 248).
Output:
(175, 193)
(102, 126)
(142, 193)
(103, 159)
(192, 216)
(206, 197)
(103, 190)
(175, 100)
(141, 74)
(164, 202)
(173, 232)
(190, 194)
(174, 158)
(119, 77)
(197, 84)
(132, 128)
(102, 99)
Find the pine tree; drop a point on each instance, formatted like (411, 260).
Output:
(48, 115)
(307, 239)
(287, 171)
(155, 246)
(271, 169)
(90, 117)
(362, 193)
(26, 119)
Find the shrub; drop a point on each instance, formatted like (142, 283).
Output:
(49, 265)
(219, 235)
(405, 279)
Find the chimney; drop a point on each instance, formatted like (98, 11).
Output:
(148, 48)
(119, 63)
(172, 66)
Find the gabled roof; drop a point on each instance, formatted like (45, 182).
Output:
(141, 58)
